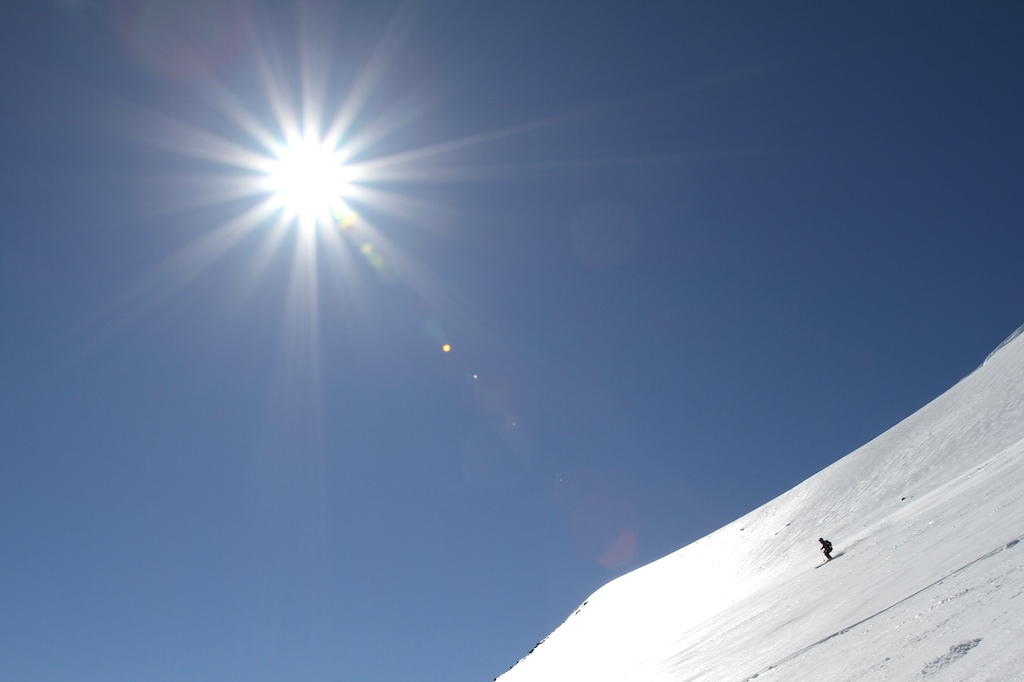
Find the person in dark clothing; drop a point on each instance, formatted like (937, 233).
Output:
(826, 548)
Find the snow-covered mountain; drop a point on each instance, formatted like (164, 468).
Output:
(927, 581)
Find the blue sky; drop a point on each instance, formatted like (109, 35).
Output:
(685, 255)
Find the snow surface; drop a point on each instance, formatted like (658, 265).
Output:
(927, 581)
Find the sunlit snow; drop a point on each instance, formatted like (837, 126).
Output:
(927, 583)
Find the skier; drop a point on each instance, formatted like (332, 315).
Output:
(826, 548)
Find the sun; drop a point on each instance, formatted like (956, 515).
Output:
(317, 170)
(307, 180)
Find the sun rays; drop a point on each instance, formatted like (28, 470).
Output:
(305, 180)
(296, 157)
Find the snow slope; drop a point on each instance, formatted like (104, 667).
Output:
(928, 580)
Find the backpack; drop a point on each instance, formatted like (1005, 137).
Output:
(828, 546)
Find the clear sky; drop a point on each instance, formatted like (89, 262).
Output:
(363, 341)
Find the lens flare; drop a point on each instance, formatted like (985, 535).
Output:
(310, 176)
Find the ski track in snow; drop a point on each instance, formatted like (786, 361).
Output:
(929, 519)
(938, 663)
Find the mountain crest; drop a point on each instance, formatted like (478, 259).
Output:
(928, 518)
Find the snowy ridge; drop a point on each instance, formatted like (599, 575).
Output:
(1010, 338)
(928, 580)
